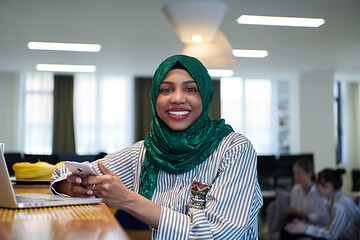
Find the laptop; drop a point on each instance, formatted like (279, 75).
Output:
(9, 199)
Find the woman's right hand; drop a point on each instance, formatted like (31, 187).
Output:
(296, 227)
(73, 187)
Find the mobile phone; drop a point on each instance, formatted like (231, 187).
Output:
(82, 170)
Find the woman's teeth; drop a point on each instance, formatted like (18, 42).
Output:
(179, 112)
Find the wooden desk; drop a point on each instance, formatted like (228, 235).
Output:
(63, 223)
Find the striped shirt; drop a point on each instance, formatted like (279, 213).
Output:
(312, 204)
(344, 220)
(232, 203)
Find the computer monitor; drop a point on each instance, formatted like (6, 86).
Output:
(266, 167)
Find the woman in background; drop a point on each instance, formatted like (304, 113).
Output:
(305, 202)
(344, 221)
(192, 177)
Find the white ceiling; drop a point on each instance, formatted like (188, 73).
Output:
(136, 36)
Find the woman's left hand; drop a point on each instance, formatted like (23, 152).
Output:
(296, 226)
(109, 187)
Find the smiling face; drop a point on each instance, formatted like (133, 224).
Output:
(179, 102)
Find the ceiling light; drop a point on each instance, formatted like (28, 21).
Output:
(65, 68)
(280, 21)
(197, 38)
(200, 17)
(214, 54)
(77, 47)
(250, 53)
(220, 72)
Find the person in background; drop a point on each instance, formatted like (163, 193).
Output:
(192, 177)
(305, 202)
(344, 221)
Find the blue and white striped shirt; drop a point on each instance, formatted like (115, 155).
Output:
(232, 203)
(312, 204)
(344, 220)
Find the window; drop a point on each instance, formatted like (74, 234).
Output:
(246, 106)
(103, 113)
(38, 120)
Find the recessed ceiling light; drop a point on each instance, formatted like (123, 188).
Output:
(77, 47)
(250, 53)
(280, 21)
(220, 72)
(65, 68)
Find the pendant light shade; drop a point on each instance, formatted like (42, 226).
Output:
(198, 19)
(214, 54)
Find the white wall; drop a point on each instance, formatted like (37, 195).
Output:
(10, 110)
(351, 129)
(316, 131)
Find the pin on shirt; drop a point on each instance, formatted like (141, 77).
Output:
(198, 195)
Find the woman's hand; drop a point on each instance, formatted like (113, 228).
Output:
(296, 226)
(75, 187)
(109, 187)
(78, 187)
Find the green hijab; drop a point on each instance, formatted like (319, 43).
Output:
(177, 152)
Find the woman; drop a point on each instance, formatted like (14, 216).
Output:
(305, 202)
(344, 218)
(192, 177)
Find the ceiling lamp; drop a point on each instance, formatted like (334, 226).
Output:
(195, 20)
(65, 68)
(215, 54)
(280, 21)
(250, 53)
(220, 72)
(54, 46)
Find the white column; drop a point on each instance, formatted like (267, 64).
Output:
(316, 115)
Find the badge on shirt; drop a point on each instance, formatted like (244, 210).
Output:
(198, 194)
